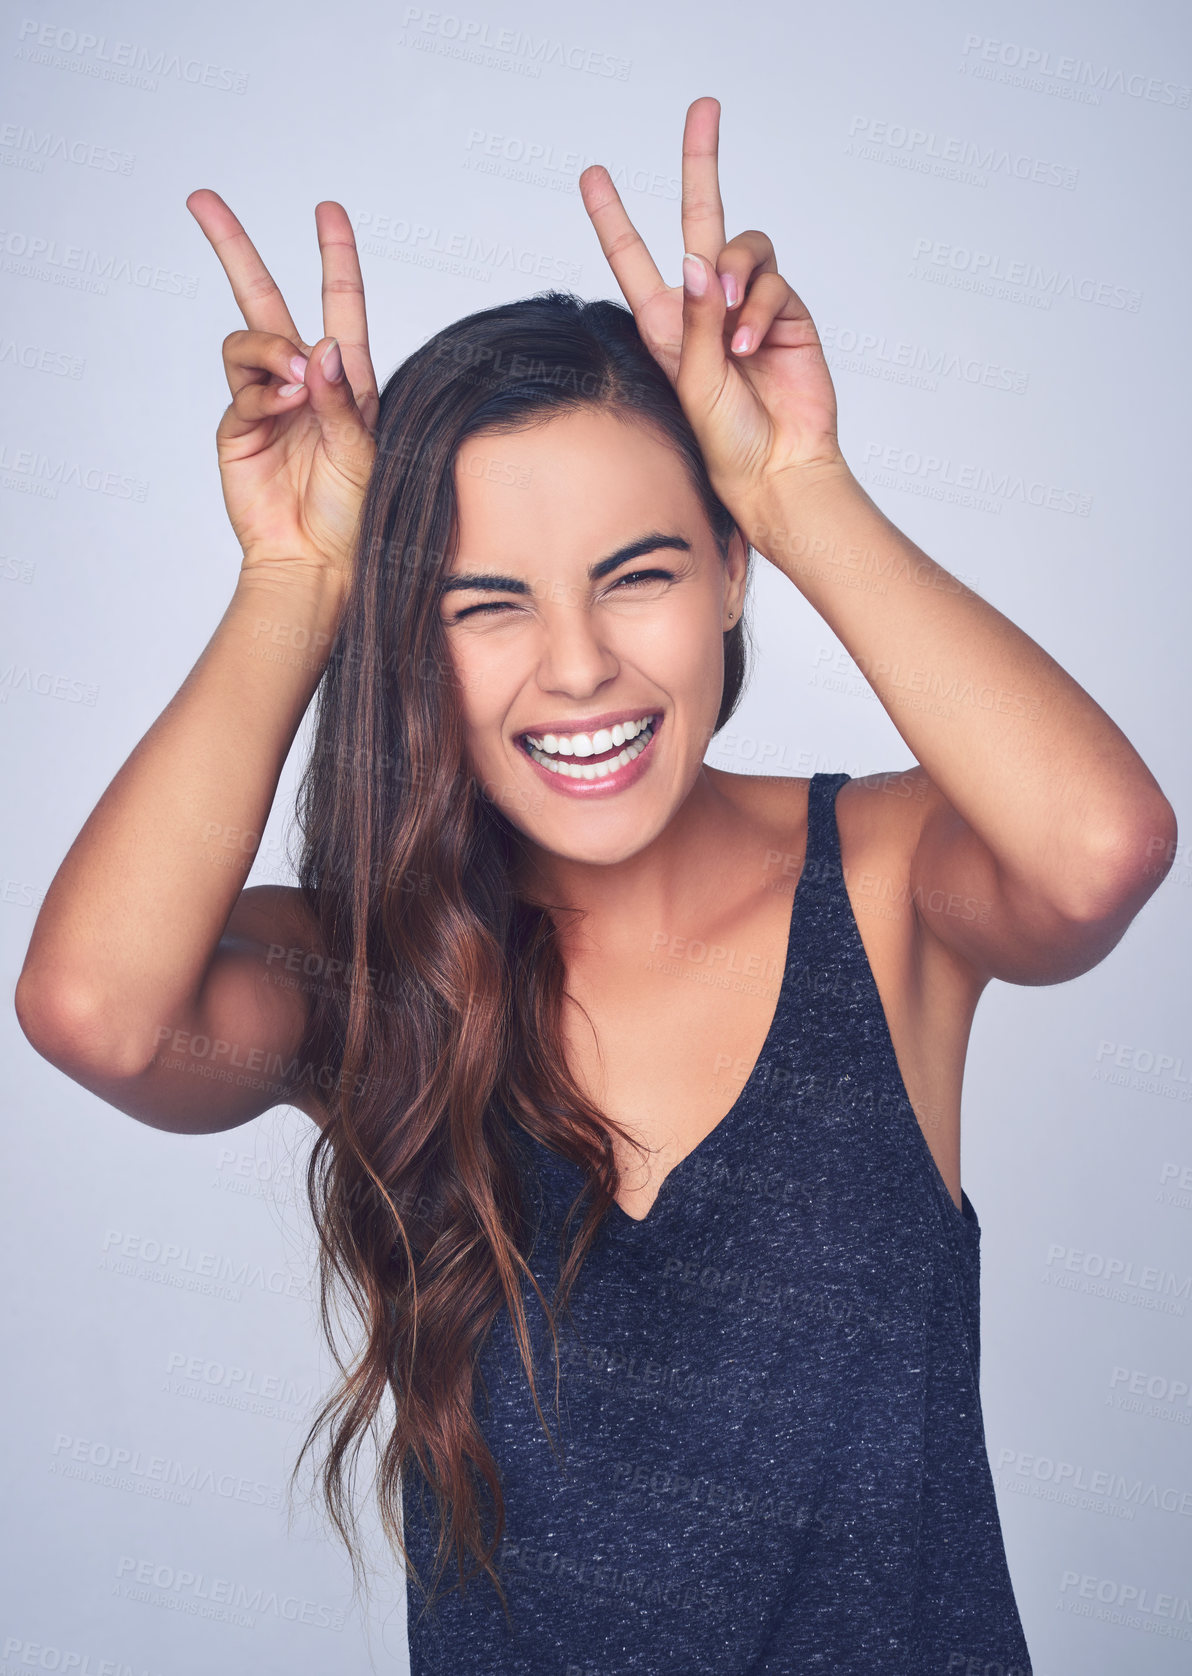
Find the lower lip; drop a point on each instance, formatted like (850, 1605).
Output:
(619, 780)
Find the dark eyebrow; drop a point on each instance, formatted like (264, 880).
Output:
(513, 585)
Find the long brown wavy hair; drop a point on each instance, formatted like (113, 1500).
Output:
(442, 1035)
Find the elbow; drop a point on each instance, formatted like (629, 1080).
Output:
(75, 1029)
(1129, 864)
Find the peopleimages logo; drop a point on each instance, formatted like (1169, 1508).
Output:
(480, 41)
(36, 357)
(476, 255)
(78, 50)
(1134, 1604)
(871, 136)
(33, 256)
(906, 362)
(32, 149)
(1119, 1278)
(939, 474)
(543, 162)
(982, 54)
(157, 1477)
(53, 472)
(167, 1263)
(986, 272)
(1174, 1393)
(204, 1379)
(195, 1592)
(1096, 1481)
(1144, 1070)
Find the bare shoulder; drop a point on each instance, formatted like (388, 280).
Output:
(775, 804)
(880, 819)
(879, 815)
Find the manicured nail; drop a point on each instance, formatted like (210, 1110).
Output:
(332, 362)
(298, 367)
(695, 280)
(731, 296)
(743, 340)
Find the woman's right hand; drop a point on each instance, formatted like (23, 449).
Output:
(296, 444)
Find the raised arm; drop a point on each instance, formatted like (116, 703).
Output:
(1034, 802)
(153, 977)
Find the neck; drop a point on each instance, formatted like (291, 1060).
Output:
(670, 879)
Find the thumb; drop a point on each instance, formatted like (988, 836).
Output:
(347, 440)
(701, 359)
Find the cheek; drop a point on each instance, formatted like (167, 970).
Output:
(486, 685)
(683, 655)
(465, 660)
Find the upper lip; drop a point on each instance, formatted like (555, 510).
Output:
(589, 724)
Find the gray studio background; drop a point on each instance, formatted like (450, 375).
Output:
(985, 208)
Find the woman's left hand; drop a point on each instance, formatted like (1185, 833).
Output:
(763, 411)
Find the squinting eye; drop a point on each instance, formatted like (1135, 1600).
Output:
(495, 605)
(646, 576)
(634, 576)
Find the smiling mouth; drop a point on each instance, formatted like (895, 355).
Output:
(599, 764)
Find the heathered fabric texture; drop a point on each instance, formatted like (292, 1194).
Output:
(775, 1457)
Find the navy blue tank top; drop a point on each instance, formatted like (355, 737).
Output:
(774, 1456)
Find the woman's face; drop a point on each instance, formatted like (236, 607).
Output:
(587, 595)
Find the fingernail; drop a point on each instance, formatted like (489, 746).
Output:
(743, 340)
(298, 367)
(695, 280)
(289, 389)
(332, 362)
(729, 281)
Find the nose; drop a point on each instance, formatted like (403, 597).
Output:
(574, 658)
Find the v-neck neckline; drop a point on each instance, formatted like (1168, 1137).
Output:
(618, 1221)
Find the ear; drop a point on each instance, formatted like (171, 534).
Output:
(736, 578)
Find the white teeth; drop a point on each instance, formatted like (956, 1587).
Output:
(588, 745)
(596, 770)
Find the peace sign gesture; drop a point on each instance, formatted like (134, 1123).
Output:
(735, 340)
(295, 446)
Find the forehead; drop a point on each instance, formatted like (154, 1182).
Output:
(569, 484)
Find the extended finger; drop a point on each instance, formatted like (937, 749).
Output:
(702, 211)
(633, 267)
(743, 257)
(702, 363)
(253, 286)
(345, 433)
(258, 357)
(344, 315)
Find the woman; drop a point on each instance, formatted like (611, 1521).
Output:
(626, 1069)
